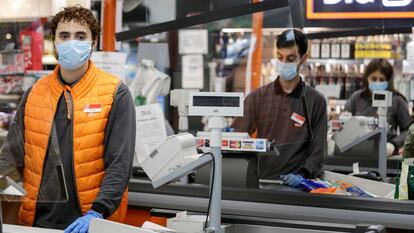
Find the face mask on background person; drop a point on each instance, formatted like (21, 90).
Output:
(287, 71)
(73, 54)
(378, 86)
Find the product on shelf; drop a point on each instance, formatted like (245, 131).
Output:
(325, 49)
(361, 47)
(11, 85)
(410, 49)
(11, 62)
(347, 76)
(315, 49)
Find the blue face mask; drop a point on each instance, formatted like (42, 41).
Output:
(378, 86)
(74, 53)
(287, 71)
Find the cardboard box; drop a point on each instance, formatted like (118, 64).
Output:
(379, 189)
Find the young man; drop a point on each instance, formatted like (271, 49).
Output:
(289, 114)
(91, 117)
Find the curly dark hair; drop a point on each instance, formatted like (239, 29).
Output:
(78, 14)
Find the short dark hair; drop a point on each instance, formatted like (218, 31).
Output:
(78, 14)
(293, 37)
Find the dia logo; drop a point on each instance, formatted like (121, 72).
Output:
(386, 3)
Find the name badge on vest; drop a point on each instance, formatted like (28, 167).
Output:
(92, 108)
(298, 119)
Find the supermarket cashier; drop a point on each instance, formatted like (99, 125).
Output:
(379, 76)
(290, 114)
(85, 115)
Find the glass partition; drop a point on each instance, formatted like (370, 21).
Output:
(31, 168)
(240, 57)
(251, 53)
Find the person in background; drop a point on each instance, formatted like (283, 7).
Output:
(379, 76)
(85, 118)
(276, 112)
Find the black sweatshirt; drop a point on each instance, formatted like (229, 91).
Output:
(398, 116)
(277, 116)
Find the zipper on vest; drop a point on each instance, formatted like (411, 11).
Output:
(69, 102)
(70, 116)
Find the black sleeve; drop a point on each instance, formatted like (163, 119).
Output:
(119, 153)
(12, 150)
(349, 105)
(318, 146)
(404, 121)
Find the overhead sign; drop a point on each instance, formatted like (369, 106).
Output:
(359, 9)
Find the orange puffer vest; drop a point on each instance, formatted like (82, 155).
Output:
(96, 87)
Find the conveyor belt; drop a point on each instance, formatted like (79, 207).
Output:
(277, 204)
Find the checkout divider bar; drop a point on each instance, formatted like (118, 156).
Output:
(271, 222)
(280, 197)
(275, 211)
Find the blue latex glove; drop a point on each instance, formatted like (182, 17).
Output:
(293, 180)
(81, 225)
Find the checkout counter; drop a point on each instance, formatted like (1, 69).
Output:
(365, 154)
(249, 206)
(246, 206)
(21, 229)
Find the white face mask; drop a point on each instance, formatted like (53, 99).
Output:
(287, 71)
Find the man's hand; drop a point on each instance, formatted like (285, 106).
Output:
(81, 225)
(293, 180)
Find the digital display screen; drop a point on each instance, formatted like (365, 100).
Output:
(367, 9)
(379, 97)
(216, 101)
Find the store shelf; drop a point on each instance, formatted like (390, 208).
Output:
(38, 73)
(335, 61)
(49, 60)
(338, 61)
(6, 97)
(230, 61)
(11, 74)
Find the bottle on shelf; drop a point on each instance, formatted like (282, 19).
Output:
(325, 49)
(410, 49)
(387, 46)
(315, 49)
(352, 47)
(380, 47)
(360, 48)
(342, 75)
(346, 49)
(370, 48)
(335, 49)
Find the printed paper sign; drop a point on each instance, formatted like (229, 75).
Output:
(151, 130)
(111, 62)
(194, 41)
(193, 71)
